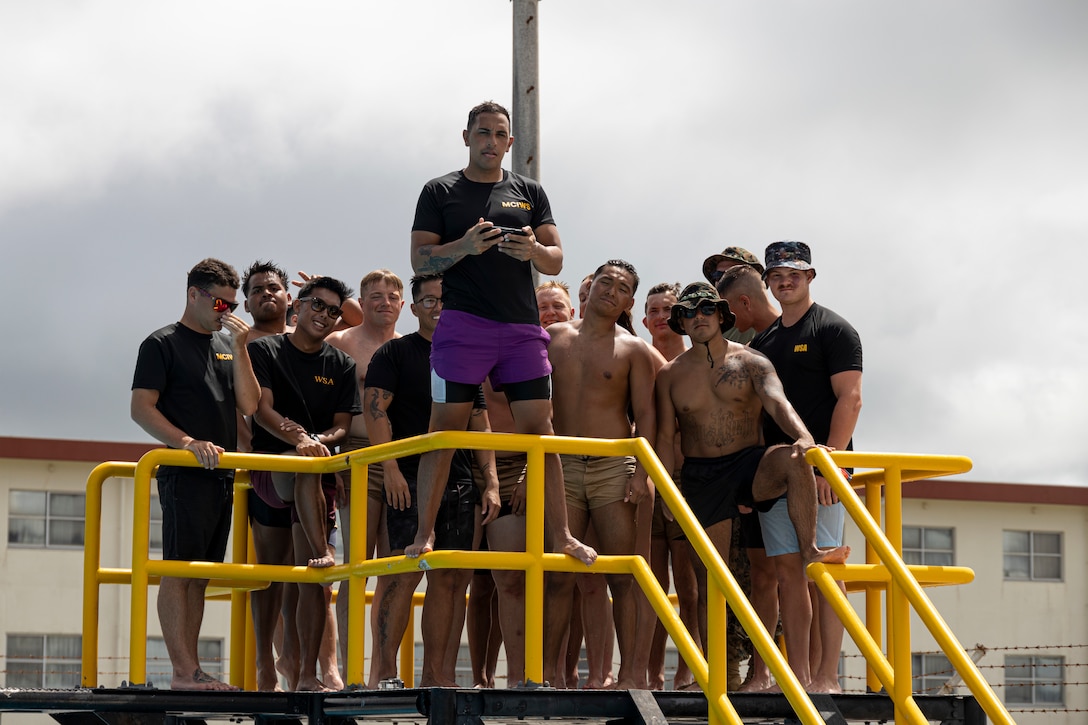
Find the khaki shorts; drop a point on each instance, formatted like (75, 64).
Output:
(595, 481)
(375, 475)
(511, 471)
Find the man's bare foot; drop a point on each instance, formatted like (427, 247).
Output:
(758, 683)
(585, 554)
(312, 684)
(436, 682)
(680, 683)
(200, 680)
(825, 686)
(334, 682)
(690, 687)
(628, 684)
(838, 555)
(420, 547)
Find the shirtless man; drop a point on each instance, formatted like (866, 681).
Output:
(741, 285)
(600, 372)
(381, 296)
(717, 392)
(667, 540)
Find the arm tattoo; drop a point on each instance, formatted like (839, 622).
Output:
(428, 263)
(373, 410)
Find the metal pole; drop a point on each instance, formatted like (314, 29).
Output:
(526, 96)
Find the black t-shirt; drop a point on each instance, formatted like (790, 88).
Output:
(490, 285)
(402, 366)
(194, 374)
(308, 388)
(805, 356)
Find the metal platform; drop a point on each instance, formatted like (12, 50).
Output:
(448, 706)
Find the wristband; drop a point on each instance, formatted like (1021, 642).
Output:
(314, 436)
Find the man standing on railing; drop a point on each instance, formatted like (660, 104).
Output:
(817, 355)
(490, 328)
(717, 392)
(600, 372)
(308, 397)
(398, 405)
(190, 384)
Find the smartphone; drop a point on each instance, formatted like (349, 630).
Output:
(510, 230)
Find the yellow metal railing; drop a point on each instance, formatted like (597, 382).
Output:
(885, 571)
(709, 671)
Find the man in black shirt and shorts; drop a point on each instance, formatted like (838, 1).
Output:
(190, 384)
(489, 328)
(398, 405)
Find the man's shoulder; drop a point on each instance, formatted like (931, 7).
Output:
(445, 180)
(825, 316)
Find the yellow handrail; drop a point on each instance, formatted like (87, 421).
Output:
(710, 671)
(885, 569)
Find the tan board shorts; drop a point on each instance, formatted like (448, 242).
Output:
(595, 481)
(375, 474)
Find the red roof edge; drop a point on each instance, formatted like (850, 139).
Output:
(956, 490)
(51, 449)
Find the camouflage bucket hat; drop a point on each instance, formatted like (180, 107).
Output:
(694, 295)
(735, 254)
(795, 255)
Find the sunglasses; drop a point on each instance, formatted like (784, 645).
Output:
(319, 305)
(706, 309)
(218, 303)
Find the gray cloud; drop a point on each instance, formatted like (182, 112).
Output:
(932, 154)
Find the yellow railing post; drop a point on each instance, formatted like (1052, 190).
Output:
(240, 664)
(141, 506)
(353, 668)
(534, 572)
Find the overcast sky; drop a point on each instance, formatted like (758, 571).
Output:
(932, 154)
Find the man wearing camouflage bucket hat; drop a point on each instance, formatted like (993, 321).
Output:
(717, 265)
(818, 357)
(726, 465)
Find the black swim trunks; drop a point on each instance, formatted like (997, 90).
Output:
(714, 487)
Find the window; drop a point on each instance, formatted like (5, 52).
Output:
(929, 547)
(159, 671)
(37, 661)
(930, 671)
(44, 519)
(1034, 680)
(1033, 555)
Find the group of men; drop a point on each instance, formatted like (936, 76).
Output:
(733, 430)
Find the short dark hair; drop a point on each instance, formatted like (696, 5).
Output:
(661, 288)
(211, 272)
(739, 275)
(260, 267)
(330, 283)
(625, 266)
(485, 107)
(417, 282)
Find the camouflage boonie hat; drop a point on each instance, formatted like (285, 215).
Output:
(795, 255)
(736, 254)
(694, 295)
